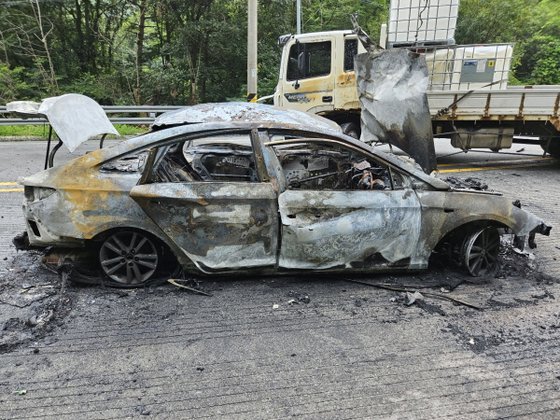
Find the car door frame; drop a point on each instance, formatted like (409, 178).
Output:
(256, 208)
(290, 229)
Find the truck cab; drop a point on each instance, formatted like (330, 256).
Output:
(468, 93)
(314, 78)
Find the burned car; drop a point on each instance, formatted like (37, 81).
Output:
(247, 188)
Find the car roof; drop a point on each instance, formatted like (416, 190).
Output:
(241, 111)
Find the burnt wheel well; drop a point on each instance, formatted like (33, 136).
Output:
(450, 247)
(457, 234)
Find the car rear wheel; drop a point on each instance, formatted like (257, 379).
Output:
(129, 258)
(480, 251)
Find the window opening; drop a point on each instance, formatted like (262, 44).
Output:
(310, 166)
(219, 158)
(130, 163)
(308, 60)
(350, 51)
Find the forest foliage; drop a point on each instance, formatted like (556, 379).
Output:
(184, 52)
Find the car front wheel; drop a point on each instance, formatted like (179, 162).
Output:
(480, 251)
(129, 258)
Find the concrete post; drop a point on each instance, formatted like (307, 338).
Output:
(252, 51)
(298, 16)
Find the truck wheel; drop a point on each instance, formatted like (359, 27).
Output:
(351, 129)
(553, 148)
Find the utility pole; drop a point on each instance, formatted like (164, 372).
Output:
(252, 51)
(298, 17)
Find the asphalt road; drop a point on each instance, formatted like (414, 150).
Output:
(251, 351)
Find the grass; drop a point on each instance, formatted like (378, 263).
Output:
(42, 131)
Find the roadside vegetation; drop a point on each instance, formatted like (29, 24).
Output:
(42, 131)
(169, 52)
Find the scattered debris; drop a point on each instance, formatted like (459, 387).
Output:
(178, 283)
(143, 410)
(26, 297)
(470, 183)
(21, 241)
(31, 302)
(404, 290)
(41, 319)
(413, 297)
(298, 298)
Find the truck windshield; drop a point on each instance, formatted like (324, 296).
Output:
(307, 60)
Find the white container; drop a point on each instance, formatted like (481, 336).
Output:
(422, 22)
(466, 67)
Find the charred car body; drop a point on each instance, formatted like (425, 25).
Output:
(252, 188)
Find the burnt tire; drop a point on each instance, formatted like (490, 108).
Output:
(129, 258)
(552, 148)
(351, 129)
(480, 251)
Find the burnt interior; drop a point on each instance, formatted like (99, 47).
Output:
(309, 166)
(184, 162)
(131, 163)
(305, 165)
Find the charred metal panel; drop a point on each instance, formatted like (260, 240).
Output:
(217, 225)
(325, 229)
(392, 89)
(445, 211)
(85, 202)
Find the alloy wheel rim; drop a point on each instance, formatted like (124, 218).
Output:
(128, 257)
(481, 253)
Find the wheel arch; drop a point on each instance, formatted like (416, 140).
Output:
(460, 230)
(101, 234)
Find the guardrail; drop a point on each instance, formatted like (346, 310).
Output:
(118, 114)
